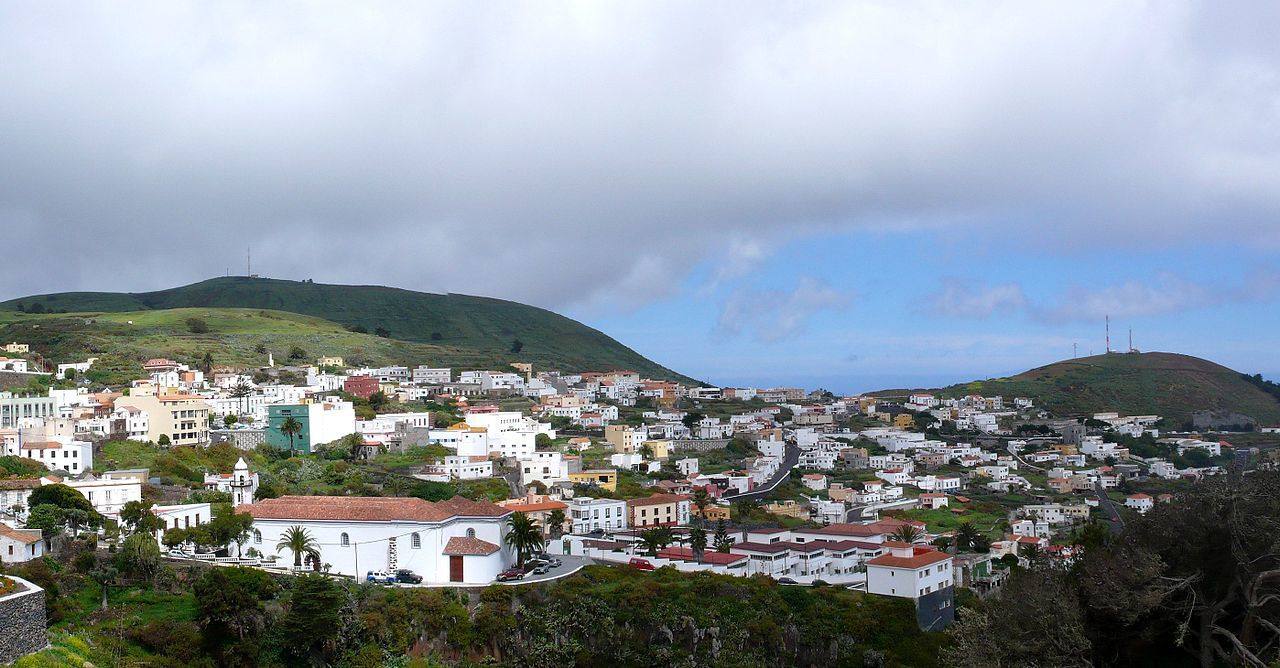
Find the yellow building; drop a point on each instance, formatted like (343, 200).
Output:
(16, 347)
(606, 479)
(624, 439)
(788, 508)
(331, 361)
(904, 421)
(713, 513)
(183, 418)
(660, 449)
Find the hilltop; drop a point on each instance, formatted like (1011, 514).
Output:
(1167, 384)
(449, 329)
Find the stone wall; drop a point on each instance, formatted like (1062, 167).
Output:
(22, 618)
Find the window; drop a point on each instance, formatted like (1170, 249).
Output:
(471, 533)
(417, 541)
(345, 540)
(257, 536)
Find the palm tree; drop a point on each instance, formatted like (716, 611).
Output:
(907, 533)
(698, 541)
(555, 520)
(966, 534)
(701, 499)
(524, 535)
(242, 391)
(299, 541)
(655, 539)
(1032, 553)
(291, 428)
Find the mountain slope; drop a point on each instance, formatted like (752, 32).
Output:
(1167, 384)
(484, 326)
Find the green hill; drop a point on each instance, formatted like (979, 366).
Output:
(1166, 384)
(456, 327)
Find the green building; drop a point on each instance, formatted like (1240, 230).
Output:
(276, 416)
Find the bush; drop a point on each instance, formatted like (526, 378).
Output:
(197, 326)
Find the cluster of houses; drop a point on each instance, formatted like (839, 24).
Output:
(850, 538)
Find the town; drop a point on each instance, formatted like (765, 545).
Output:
(522, 475)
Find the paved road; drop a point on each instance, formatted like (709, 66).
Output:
(1109, 507)
(789, 460)
(569, 564)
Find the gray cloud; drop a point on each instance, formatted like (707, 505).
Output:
(967, 299)
(593, 153)
(776, 315)
(1162, 294)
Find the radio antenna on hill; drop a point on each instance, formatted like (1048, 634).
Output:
(1075, 350)
(1108, 325)
(248, 261)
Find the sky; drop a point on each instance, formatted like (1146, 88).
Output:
(848, 195)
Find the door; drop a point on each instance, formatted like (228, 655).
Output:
(455, 568)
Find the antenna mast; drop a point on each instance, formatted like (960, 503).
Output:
(1108, 333)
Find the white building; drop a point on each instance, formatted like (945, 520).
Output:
(456, 467)
(545, 466)
(587, 514)
(908, 571)
(18, 545)
(59, 453)
(1139, 502)
(106, 493)
(458, 540)
(511, 434)
(429, 376)
(466, 440)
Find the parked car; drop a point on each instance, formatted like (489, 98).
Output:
(554, 563)
(786, 581)
(382, 577)
(541, 570)
(510, 574)
(407, 576)
(640, 564)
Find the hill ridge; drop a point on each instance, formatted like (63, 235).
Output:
(1165, 383)
(486, 325)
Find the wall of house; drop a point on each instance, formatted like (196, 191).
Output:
(22, 617)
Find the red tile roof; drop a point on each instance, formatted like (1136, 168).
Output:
(657, 499)
(465, 546)
(27, 536)
(921, 557)
(20, 483)
(369, 509)
(767, 548)
(536, 506)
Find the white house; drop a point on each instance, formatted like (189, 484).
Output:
(18, 545)
(107, 493)
(455, 467)
(587, 514)
(1139, 502)
(466, 440)
(457, 540)
(815, 481)
(908, 571)
(545, 466)
(59, 453)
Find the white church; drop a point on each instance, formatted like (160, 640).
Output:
(454, 541)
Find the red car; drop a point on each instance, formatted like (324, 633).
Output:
(640, 564)
(511, 574)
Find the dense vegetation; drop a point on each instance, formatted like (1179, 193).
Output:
(162, 615)
(1193, 582)
(460, 325)
(1166, 384)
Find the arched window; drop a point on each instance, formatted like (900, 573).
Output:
(346, 540)
(471, 533)
(416, 541)
(257, 536)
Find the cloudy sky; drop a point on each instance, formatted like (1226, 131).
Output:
(849, 194)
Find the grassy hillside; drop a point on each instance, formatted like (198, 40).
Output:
(122, 339)
(1167, 384)
(487, 328)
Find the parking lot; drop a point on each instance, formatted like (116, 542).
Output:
(569, 564)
